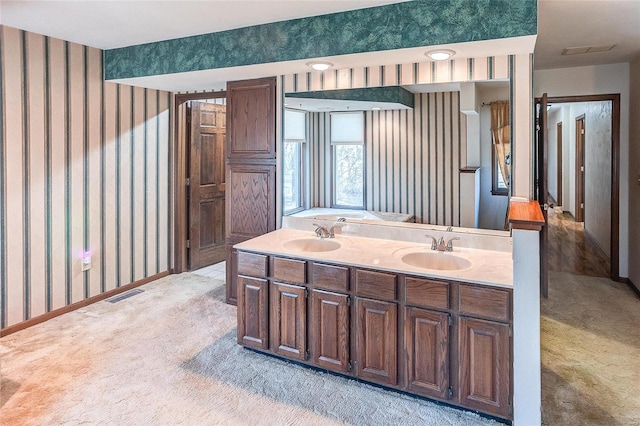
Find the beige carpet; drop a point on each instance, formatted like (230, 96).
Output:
(168, 356)
(590, 352)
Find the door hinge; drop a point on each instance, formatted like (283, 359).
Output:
(450, 320)
(306, 293)
(582, 205)
(582, 131)
(582, 168)
(188, 181)
(450, 393)
(349, 366)
(307, 355)
(348, 300)
(510, 331)
(188, 244)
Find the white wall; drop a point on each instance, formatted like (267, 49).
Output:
(592, 80)
(492, 207)
(634, 175)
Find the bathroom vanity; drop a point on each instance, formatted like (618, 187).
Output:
(390, 312)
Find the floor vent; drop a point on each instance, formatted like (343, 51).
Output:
(125, 295)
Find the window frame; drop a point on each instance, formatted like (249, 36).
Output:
(333, 157)
(495, 169)
(302, 177)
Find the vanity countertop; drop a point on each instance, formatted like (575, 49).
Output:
(487, 266)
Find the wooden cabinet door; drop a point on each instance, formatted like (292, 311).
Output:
(253, 312)
(426, 338)
(288, 317)
(484, 362)
(329, 328)
(377, 332)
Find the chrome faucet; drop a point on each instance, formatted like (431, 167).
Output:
(323, 232)
(440, 244)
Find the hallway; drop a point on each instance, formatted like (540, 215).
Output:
(590, 341)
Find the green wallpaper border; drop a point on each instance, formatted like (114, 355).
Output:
(401, 25)
(392, 94)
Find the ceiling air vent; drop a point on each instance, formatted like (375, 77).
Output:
(587, 49)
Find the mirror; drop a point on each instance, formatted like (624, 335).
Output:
(408, 160)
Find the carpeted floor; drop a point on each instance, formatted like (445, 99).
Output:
(168, 356)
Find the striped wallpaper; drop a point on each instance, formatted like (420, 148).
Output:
(413, 158)
(455, 70)
(84, 168)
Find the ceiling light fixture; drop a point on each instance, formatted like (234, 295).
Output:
(375, 108)
(320, 66)
(440, 54)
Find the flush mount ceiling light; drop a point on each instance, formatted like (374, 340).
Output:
(320, 66)
(440, 54)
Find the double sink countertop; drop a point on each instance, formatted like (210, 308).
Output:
(487, 267)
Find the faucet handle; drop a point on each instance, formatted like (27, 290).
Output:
(320, 231)
(450, 243)
(434, 242)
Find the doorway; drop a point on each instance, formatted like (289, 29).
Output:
(200, 164)
(587, 183)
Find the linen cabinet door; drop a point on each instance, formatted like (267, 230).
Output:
(427, 349)
(330, 330)
(484, 366)
(289, 321)
(377, 334)
(253, 304)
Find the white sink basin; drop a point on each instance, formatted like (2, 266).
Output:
(436, 260)
(311, 245)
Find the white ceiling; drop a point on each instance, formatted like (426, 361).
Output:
(110, 24)
(116, 23)
(572, 23)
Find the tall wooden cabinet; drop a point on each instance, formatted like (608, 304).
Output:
(250, 166)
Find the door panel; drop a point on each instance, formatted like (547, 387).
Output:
(253, 312)
(427, 347)
(377, 341)
(288, 321)
(330, 330)
(207, 185)
(485, 359)
(542, 191)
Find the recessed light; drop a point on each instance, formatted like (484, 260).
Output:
(320, 66)
(440, 54)
(375, 108)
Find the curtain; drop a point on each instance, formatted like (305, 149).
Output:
(501, 136)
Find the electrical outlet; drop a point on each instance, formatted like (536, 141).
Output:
(86, 262)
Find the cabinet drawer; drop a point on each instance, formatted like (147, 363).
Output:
(377, 285)
(254, 265)
(427, 293)
(289, 270)
(485, 302)
(330, 277)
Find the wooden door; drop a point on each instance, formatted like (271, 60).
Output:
(329, 328)
(427, 349)
(377, 332)
(207, 185)
(251, 166)
(484, 362)
(543, 191)
(559, 165)
(253, 315)
(580, 138)
(288, 317)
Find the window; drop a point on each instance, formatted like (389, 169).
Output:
(347, 153)
(498, 186)
(295, 138)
